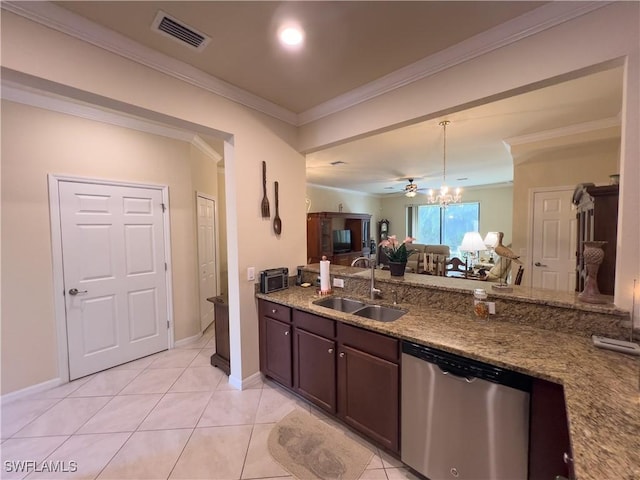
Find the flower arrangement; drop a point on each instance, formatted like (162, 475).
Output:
(395, 251)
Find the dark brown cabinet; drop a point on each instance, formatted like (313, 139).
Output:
(320, 227)
(549, 444)
(347, 371)
(275, 342)
(221, 358)
(597, 216)
(314, 359)
(369, 384)
(315, 369)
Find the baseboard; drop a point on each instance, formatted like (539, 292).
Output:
(251, 381)
(186, 341)
(28, 391)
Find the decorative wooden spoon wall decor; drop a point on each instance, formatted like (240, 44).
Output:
(277, 223)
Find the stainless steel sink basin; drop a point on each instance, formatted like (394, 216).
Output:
(345, 305)
(380, 313)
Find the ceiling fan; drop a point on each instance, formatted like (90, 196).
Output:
(411, 189)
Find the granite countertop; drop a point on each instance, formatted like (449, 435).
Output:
(602, 388)
(519, 293)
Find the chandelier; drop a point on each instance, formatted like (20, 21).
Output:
(444, 196)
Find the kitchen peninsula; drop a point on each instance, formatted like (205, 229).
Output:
(543, 334)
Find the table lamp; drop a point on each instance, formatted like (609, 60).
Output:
(472, 243)
(490, 241)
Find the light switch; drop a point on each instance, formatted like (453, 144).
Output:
(251, 273)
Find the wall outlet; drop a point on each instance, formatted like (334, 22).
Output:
(338, 282)
(251, 273)
(492, 308)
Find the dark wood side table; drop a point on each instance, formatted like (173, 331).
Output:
(221, 358)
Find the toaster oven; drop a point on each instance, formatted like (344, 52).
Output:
(274, 279)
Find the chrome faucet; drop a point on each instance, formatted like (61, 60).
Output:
(359, 259)
(375, 292)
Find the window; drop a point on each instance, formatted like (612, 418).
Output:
(433, 225)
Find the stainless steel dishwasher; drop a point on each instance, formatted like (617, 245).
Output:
(463, 419)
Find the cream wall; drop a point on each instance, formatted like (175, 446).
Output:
(38, 142)
(206, 178)
(561, 166)
(39, 57)
(496, 210)
(325, 199)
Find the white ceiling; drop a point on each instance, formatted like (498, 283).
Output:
(478, 139)
(349, 46)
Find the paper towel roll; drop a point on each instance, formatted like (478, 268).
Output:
(325, 282)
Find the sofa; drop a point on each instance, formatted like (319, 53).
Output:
(428, 257)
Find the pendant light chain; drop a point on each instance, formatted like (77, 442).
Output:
(444, 124)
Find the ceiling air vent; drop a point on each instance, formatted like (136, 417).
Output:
(173, 28)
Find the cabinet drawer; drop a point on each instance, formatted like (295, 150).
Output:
(370, 342)
(314, 324)
(275, 310)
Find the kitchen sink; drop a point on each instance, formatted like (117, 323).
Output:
(341, 304)
(356, 307)
(380, 313)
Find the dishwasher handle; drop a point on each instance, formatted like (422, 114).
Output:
(457, 376)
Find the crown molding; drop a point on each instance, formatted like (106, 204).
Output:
(205, 148)
(62, 20)
(345, 190)
(540, 19)
(567, 131)
(14, 92)
(531, 23)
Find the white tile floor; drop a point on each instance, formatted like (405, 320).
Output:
(171, 415)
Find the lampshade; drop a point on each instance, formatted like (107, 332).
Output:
(472, 242)
(491, 240)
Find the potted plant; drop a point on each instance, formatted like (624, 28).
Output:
(397, 253)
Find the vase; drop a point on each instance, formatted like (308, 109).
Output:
(397, 268)
(593, 254)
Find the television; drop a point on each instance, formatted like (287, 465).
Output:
(341, 241)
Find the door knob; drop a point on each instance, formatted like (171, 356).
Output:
(330, 350)
(286, 332)
(75, 291)
(341, 354)
(538, 264)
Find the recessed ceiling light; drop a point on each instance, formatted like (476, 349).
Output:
(291, 36)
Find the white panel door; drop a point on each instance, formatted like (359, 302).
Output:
(114, 274)
(208, 273)
(554, 241)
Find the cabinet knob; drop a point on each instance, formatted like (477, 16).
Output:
(274, 310)
(286, 333)
(566, 458)
(341, 354)
(330, 350)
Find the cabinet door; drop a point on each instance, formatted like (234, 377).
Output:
(549, 433)
(368, 395)
(277, 350)
(315, 369)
